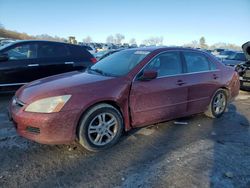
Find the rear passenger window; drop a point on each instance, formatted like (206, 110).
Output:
(166, 64)
(52, 50)
(212, 66)
(196, 62)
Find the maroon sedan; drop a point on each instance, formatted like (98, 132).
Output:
(131, 88)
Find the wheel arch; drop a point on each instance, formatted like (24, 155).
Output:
(110, 102)
(208, 111)
(226, 89)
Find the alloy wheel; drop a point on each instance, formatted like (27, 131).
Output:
(102, 129)
(219, 103)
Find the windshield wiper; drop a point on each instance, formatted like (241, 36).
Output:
(97, 70)
(101, 72)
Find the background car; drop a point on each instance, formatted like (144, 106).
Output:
(216, 51)
(244, 68)
(25, 61)
(235, 59)
(133, 46)
(91, 49)
(224, 54)
(4, 41)
(128, 89)
(108, 53)
(99, 54)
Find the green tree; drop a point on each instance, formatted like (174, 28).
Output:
(203, 43)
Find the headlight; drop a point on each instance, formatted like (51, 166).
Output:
(48, 105)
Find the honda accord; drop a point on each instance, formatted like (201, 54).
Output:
(128, 89)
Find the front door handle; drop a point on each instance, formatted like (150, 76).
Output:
(180, 82)
(215, 76)
(69, 63)
(33, 65)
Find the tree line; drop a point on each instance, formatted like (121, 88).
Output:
(116, 39)
(202, 44)
(119, 38)
(5, 33)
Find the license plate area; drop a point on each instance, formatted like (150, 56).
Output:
(247, 84)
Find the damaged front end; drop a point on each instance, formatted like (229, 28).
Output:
(243, 69)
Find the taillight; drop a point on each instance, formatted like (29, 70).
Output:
(93, 60)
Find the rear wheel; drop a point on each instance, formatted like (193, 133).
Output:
(218, 104)
(100, 127)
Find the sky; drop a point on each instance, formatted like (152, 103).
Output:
(177, 21)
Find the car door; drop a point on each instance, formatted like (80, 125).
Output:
(54, 58)
(20, 66)
(81, 58)
(162, 98)
(203, 79)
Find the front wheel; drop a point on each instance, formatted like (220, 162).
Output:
(100, 128)
(218, 104)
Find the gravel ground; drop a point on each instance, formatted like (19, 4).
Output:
(204, 153)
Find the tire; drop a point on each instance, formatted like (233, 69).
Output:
(100, 127)
(212, 110)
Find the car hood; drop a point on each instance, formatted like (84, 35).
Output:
(246, 49)
(61, 84)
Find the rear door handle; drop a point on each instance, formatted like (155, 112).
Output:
(33, 65)
(215, 76)
(180, 82)
(69, 63)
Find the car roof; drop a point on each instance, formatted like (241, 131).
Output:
(41, 41)
(164, 48)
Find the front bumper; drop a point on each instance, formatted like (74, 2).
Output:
(52, 128)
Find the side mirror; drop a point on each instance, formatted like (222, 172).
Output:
(148, 75)
(4, 57)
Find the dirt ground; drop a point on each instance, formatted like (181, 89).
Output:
(203, 153)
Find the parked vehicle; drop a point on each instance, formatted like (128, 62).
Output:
(216, 51)
(225, 54)
(25, 61)
(244, 68)
(208, 51)
(99, 54)
(107, 47)
(128, 89)
(125, 45)
(4, 41)
(133, 46)
(235, 59)
(108, 53)
(91, 49)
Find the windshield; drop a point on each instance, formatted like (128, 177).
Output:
(237, 56)
(120, 63)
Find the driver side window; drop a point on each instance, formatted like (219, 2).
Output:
(27, 51)
(166, 64)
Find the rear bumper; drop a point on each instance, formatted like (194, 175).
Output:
(53, 128)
